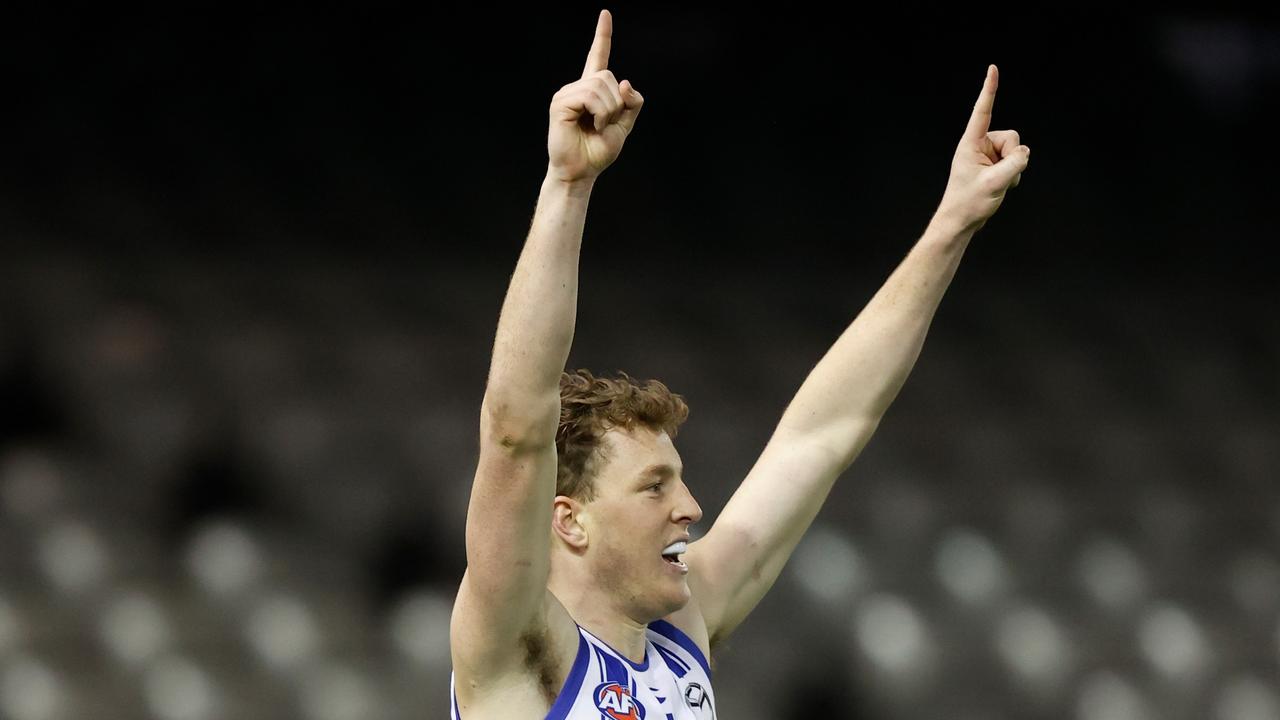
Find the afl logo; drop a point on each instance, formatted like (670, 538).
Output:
(615, 702)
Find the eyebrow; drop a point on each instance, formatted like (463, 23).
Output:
(662, 470)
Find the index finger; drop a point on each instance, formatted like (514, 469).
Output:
(598, 58)
(980, 121)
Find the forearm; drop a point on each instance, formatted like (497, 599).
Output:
(853, 385)
(535, 329)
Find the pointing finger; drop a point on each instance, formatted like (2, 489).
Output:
(598, 57)
(980, 121)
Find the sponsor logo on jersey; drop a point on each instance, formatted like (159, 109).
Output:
(696, 697)
(615, 702)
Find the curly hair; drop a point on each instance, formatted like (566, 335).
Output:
(590, 406)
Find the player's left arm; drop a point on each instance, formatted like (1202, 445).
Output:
(843, 399)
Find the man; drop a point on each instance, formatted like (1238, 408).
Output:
(582, 597)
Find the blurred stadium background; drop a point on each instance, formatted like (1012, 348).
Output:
(252, 263)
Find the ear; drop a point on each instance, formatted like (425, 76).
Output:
(566, 522)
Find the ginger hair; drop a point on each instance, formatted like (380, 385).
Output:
(590, 406)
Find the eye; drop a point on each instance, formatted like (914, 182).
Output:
(655, 486)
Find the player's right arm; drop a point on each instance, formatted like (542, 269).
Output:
(508, 530)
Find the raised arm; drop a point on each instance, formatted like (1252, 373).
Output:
(509, 516)
(841, 402)
(847, 393)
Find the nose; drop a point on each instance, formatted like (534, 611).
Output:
(687, 509)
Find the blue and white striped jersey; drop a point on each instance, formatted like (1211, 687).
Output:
(673, 682)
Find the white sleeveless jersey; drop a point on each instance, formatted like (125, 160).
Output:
(673, 682)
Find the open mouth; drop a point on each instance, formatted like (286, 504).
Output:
(671, 554)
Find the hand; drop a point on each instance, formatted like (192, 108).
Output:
(985, 166)
(592, 117)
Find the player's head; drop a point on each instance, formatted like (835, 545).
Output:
(621, 498)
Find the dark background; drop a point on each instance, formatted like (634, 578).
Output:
(388, 130)
(253, 259)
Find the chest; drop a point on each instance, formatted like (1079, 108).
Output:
(611, 690)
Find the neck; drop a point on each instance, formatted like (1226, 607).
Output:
(593, 608)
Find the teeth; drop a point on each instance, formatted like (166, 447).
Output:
(675, 548)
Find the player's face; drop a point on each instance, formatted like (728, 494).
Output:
(642, 506)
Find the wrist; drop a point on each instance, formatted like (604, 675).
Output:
(951, 225)
(947, 229)
(577, 187)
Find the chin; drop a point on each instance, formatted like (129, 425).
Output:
(678, 601)
(665, 602)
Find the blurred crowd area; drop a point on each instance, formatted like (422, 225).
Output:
(233, 486)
